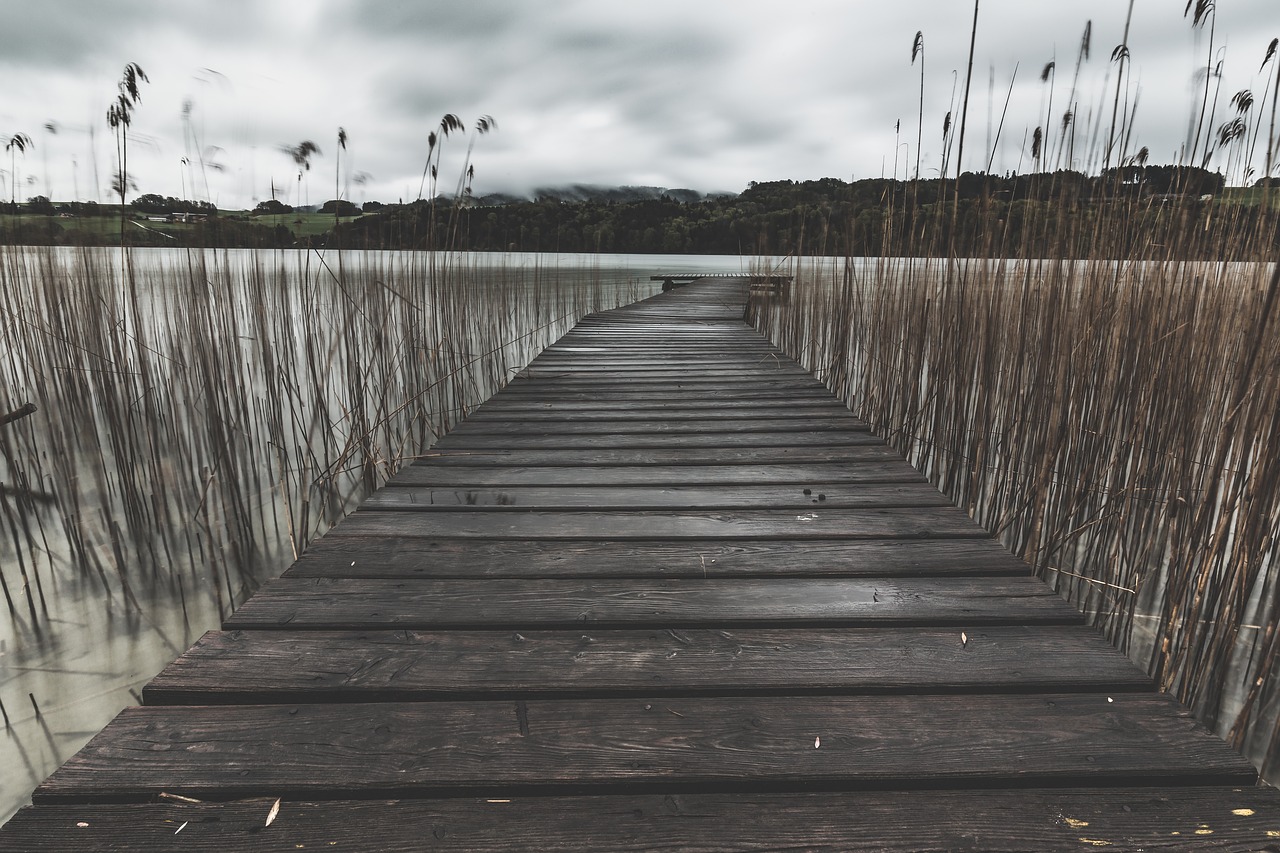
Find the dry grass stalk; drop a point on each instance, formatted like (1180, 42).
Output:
(1112, 411)
(213, 412)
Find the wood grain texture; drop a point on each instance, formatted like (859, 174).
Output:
(339, 603)
(514, 414)
(644, 457)
(1156, 820)
(340, 555)
(810, 476)
(583, 444)
(666, 362)
(724, 374)
(258, 667)
(520, 498)
(814, 522)
(680, 398)
(746, 388)
(500, 406)
(627, 745)
(664, 425)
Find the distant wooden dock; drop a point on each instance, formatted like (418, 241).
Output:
(769, 283)
(661, 592)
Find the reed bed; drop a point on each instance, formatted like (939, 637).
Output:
(203, 415)
(1114, 419)
(1091, 367)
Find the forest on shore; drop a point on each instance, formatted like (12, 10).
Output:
(1043, 214)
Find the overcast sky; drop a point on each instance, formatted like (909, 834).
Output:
(701, 94)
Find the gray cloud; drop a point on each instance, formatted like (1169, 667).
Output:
(708, 94)
(37, 36)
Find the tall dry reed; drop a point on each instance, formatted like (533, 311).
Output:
(203, 415)
(1101, 389)
(1116, 422)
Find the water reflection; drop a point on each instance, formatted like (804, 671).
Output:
(90, 654)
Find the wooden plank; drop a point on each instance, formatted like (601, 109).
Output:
(591, 340)
(519, 407)
(663, 456)
(338, 555)
(728, 418)
(260, 667)
(419, 603)
(732, 369)
(603, 352)
(718, 359)
(814, 477)
(645, 335)
(669, 394)
(670, 398)
(744, 373)
(627, 745)
(518, 498)
(832, 423)
(1213, 820)
(815, 522)
(846, 436)
(691, 383)
(721, 358)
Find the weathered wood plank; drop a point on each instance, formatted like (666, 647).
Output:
(718, 360)
(743, 366)
(259, 667)
(419, 603)
(676, 340)
(655, 406)
(538, 413)
(743, 373)
(1156, 820)
(663, 456)
(339, 555)
(815, 477)
(517, 498)
(671, 396)
(505, 748)
(832, 422)
(844, 436)
(625, 357)
(814, 522)
(691, 384)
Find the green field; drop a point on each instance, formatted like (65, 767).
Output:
(106, 228)
(1249, 196)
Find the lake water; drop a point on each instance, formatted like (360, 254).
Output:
(113, 608)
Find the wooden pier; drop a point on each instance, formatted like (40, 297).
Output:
(760, 282)
(661, 592)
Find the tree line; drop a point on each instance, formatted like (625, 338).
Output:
(1046, 214)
